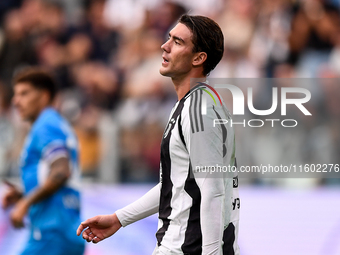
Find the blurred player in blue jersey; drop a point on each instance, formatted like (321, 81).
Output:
(49, 170)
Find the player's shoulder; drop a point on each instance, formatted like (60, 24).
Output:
(202, 99)
(49, 123)
(202, 105)
(200, 90)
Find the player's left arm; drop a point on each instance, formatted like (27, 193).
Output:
(58, 175)
(205, 149)
(216, 193)
(213, 206)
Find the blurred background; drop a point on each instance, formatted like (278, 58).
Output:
(106, 56)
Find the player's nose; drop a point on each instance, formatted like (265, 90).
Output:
(15, 101)
(166, 47)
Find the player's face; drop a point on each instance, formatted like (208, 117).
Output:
(28, 100)
(177, 52)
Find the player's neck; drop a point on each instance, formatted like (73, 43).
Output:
(35, 116)
(182, 84)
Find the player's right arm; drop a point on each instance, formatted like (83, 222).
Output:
(100, 227)
(59, 173)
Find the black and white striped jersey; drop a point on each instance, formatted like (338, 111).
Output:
(198, 206)
(197, 212)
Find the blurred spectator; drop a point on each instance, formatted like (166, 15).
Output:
(314, 25)
(97, 83)
(6, 130)
(15, 49)
(149, 98)
(104, 38)
(335, 54)
(126, 15)
(6, 5)
(163, 17)
(237, 22)
(86, 129)
(269, 46)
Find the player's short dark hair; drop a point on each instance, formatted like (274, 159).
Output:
(207, 37)
(39, 78)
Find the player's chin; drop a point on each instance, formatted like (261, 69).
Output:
(163, 71)
(25, 117)
(22, 115)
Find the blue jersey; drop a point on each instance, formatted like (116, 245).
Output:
(56, 218)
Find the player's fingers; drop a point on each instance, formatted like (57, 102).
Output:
(20, 224)
(7, 200)
(86, 233)
(81, 227)
(91, 236)
(88, 239)
(85, 224)
(96, 239)
(17, 223)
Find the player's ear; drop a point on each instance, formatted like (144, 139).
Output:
(46, 97)
(199, 58)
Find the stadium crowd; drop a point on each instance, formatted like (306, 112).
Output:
(106, 56)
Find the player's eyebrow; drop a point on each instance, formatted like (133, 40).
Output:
(176, 38)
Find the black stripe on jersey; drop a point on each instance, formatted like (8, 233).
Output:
(193, 235)
(228, 240)
(166, 189)
(180, 131)
(224, 133)
(196, 119)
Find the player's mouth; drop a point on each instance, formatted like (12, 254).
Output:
(165, 61)
(18, 108)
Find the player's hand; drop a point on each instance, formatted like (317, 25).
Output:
(19, 212)
(12, 195)
(99, 227)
